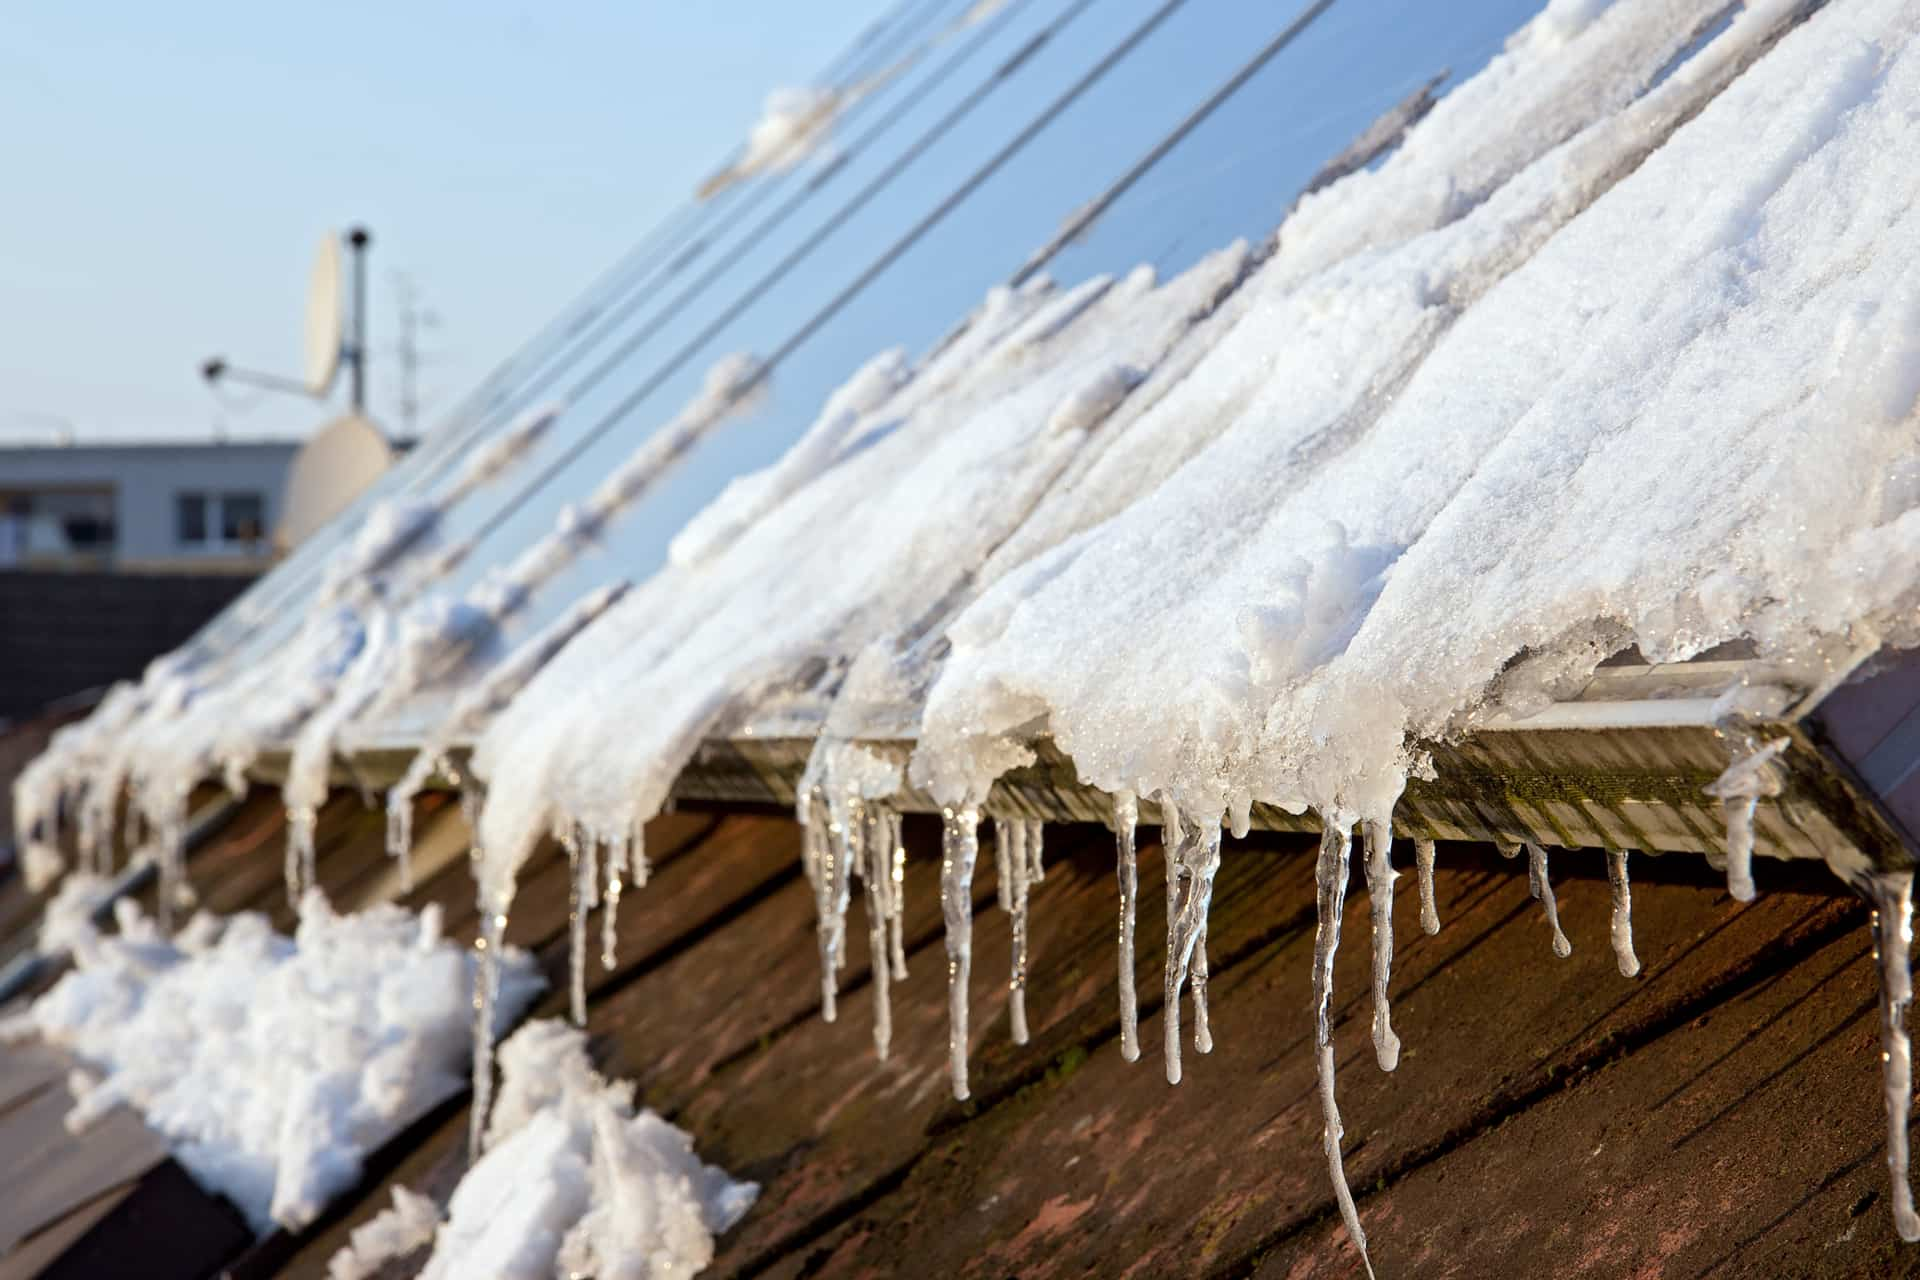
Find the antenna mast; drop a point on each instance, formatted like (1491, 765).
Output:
(355, 352)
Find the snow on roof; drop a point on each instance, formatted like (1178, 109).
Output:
(272, 1065)
(572, 1182)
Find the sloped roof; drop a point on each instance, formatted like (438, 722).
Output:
(1272, 534)
(1594, 1126)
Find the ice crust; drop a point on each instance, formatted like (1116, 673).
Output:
(270, 1064)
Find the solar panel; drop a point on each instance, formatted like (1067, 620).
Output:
(939, 180)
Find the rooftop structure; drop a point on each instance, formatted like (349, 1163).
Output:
(138, 506)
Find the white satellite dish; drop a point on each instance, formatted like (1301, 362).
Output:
(331, 469)
(325, 317)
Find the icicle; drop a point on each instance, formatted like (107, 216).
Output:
(960, 848)
(1378, 837)
(878, 878)
(618, 853)
(96, 822)
(1036, 841)
(582, 896)
(300, 824)
(486, 988)
(1010, 859)
(400, 837)
(1330, 877)
(1622, 912)
(1126, 818)
(1739, 790)
(896, 920)
(829, 853)
(1171, 834)
(1240, 815)
(576, 929)
(1197, 981)
(164, 806)
(1423, 859)
(309, 874)
(1542, 889)
(130, 838)
(470, 801)
(1193, 857)
(1892, 899)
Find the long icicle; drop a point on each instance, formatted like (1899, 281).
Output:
(829, 852)
(1541, 887)
(1378, 837)
(131, 837)
(486, 989)
(1036, 839)
(1126, 820)
(586, 898)
(1192, 861)
(1622, 923)
(400, 838)
(300, 824)
(1330, 878)
(897, 901)
(1429, 912)
(1892, 899)
(849, 855)
(309, 869)
(1171, 834)
(576, 929)
(878, 878)
(1010, 858)
(960, 849)
(169, 832)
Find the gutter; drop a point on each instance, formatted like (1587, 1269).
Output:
(1620, 765)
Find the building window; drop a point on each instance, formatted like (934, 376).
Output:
(243, 517)
(190, 518)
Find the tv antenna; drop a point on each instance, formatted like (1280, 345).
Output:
(331, 339)
(414, 317)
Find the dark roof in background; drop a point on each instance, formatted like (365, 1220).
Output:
(63, 633)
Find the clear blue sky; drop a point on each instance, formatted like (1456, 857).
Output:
(170, 168)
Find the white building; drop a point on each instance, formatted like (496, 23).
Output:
(160, 506)
(203, 506)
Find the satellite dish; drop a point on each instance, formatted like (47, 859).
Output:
(325, 317)
(329, 471)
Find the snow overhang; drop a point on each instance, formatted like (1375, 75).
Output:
(1623, 764)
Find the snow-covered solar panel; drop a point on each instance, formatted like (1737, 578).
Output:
(682, 244)
(1234, 174)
